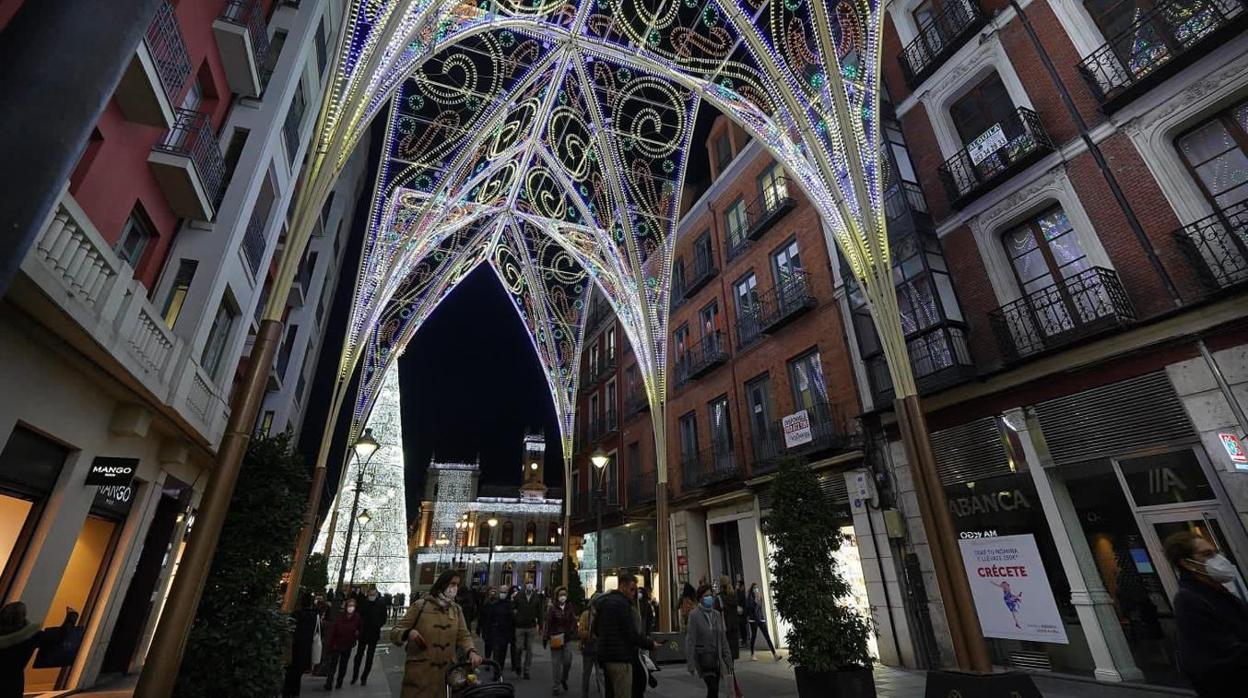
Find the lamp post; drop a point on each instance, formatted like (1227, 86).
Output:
(364, 449)
(363, 518)
(599, 459)
(489, 565)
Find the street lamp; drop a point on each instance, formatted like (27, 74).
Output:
(363, 518)
(489, 565)
(364, 449)
(599, 459)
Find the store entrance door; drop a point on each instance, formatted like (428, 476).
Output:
(1205, 522)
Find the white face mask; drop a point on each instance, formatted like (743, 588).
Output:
(563, 598)
(1218, 568)
(450, 593)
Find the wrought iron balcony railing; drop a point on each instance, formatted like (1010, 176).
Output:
(1075, 307)
(749, 330)
(975, 170)
(254, 242)
(1160, 42)
(785, 302)
(704, 356)
(827, 434)
(635, 402)
(710, 466)
(1218, 246)
(738, 243)
(641, 488)
(250, 15)
(939, 39)
(939, 357)
(775, 201)
(164, 41)
(192, 137)
(699, 275)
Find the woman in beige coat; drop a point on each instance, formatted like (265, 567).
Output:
(431, 632)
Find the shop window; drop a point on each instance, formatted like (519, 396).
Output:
(509, 533)
(179, 290)
(987, 104)
(1216, 154)
(29, 467)
(807, 382)
(136, 235)
(530, 533)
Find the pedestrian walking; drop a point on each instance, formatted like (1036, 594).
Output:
(558, 631)
(342, 637)
(306, 622)
(432, 633)
(325, 609)
(707, 653)
(373, 613)
(19, 638)
(688, 603)
(491, 597)
(729, 604)
(1212, 621)
(589, 654)
(528, 612)
(400, 604)
(756, 614)
(618, 638)
(743, 625)
(500, 626)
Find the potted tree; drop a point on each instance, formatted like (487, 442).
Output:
(828, 637)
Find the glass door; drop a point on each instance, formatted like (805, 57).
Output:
(1204, 522)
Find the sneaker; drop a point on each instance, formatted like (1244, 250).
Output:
(753, 658)
(777, 656)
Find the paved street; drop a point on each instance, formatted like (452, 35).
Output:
(761, 679)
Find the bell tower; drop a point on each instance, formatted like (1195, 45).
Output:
(533, 485)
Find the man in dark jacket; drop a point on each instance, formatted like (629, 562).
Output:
(618, 639)
(528, 611)
(499, 627)
(373, 612)
(1213, 622)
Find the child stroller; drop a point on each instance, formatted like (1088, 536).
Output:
(462, 681)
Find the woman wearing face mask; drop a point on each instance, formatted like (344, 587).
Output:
(756, 614)
(431, 632)
(558, 631)
(1213, 622)
(342, 637)
(707, 654)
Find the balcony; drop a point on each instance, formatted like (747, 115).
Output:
(827, 434)
(302, 286)
(636, 402)
(786, 302)
(709, 467)
(243, 41)
(939, 39)
(602, 428)
(699, 275)
(254, 243)
(993, 157)
(189, 167)
(769, 207)
(1079, 306)
(1170, 36)
(738, 243)
(939, 357)
(641, 488)
(703, 357)
(157, 74)
(1218, 246)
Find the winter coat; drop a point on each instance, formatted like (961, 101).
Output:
(1213, 638)
(706, 633)
(372, 616)
(499, 626)
(344, 632)
(527, 609)
(615, 630)
(560, 620)
(16, 649)
(445, 631)
(727, 602)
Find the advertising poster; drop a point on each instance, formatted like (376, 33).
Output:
(796, 429)
(1011, 590)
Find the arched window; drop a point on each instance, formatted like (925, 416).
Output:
(552, 534)
(530, 533)
(509, 532)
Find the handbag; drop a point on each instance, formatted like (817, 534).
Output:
(556, 641)
(316, 642)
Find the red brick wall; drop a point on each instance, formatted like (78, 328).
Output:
(975, 294)
(890, 65)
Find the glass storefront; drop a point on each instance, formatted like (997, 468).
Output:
(1127, 507)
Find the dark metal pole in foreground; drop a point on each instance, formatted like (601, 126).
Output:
(346, 546)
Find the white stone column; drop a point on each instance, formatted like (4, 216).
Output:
(1108, 645)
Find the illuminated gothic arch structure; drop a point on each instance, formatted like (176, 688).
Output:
(548, 139)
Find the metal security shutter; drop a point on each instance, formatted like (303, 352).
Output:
(970, 452)
(1114, 419)
(833, 486)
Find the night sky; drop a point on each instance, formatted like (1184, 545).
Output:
(472, 383)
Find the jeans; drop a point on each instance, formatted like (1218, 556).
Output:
(337, 661)
(365, 651)
(524, 647)
(560, 666)
(619, 679)
(589, 664)
(757, 627)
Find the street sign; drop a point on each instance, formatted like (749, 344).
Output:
(797, 429)
(986, 144)
(1234, 449)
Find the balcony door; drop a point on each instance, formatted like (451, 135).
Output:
(807, 382)
(747, 308)
(721, 433)
(708, 318)
(786, 266)
(1049, 265)
(980, 111)
(1216, 154)
(774, 187)
(758, 396)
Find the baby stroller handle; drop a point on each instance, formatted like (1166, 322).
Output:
(467, 667)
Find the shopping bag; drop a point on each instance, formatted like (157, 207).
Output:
(316, 643)
(736, 687)
(556, 641)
